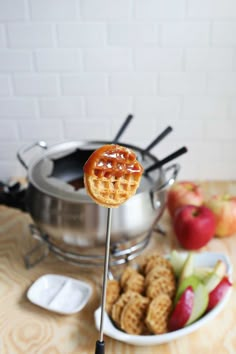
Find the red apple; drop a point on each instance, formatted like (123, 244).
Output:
(194, 226)
(224, 209)
(183, 193)
(218, 292)
(182, 310)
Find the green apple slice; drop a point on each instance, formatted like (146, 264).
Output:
(220, 268)
(192, 281)
(177, 261)
(203, 272)
(188, 267)
(213, 279)
(201, 299)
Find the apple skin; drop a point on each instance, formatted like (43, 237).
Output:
(224, 209)
(194, 226)
(218, 292)
(182, 310)
(183, 193)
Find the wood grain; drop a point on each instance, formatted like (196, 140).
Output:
(28, 329)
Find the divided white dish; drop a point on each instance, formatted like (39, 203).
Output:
(59, 293)
(206, 259)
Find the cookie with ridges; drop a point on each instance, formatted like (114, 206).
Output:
(112, 293)
(119, 305)
(158, 313)
(153, 260)
(159, 286)
(157, 272)
(126, 275)
(133, 315)
(135, 283)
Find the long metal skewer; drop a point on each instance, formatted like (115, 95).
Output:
(100, 345)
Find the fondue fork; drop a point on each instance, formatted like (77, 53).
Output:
(100, 344)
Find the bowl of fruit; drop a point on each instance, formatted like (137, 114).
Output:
(166, 297)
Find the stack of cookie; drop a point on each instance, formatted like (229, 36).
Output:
(141, 301)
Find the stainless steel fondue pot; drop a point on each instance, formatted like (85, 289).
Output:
(60, 207)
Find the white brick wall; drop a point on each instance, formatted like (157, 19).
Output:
(159, 10)
(182, 83)
(81, 35)
(185, 34)
(35, 85)
(133, 34)
(2, 37)
(106, 10)
(52, 60)
(107, 60)
(157, 60)
(74, 69)
(53, 10)
(29, 35)
(4, 86)
(15, 60)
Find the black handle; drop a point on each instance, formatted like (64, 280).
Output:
(169, 158)
(100, 347)
(159, 138)
(122, 128)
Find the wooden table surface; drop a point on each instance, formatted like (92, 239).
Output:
(28, 329)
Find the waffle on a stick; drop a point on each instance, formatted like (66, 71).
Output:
(112, 175)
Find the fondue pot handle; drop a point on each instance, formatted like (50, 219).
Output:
(155, 197)
(175, 167)
(21, 152)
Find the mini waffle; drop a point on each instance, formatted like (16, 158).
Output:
(119, 305)
(135, 283)
(133, 315)
(112, 175)
(153, 260)
(161, 285)
(126, 275)
(157, 272)
(112, 293)
(158, 313)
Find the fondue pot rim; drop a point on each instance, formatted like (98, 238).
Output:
(64, 147)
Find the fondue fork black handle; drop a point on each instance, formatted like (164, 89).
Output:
(158, 139)
(168, 158)
(100, 347)
(122, 128)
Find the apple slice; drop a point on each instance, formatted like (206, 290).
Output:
(177, 261)
(218, 292)
(200, 304)
(220, 268)
(192, 281)
(216, 275)
(203, 272)
(188, 267)
(182, 310)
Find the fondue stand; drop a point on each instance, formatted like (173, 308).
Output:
(120, 253)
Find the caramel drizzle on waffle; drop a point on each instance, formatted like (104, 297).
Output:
(113, 161)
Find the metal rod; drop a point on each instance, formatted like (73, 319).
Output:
(105, 272)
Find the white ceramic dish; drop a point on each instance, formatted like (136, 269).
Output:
(59, 293)
(206, 259)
